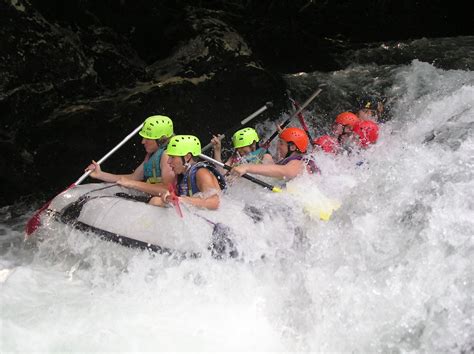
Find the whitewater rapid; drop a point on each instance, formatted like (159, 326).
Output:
(392, 271)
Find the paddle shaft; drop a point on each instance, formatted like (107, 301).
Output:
(110, 153)
(246, 176)
(286, 122)
(296, 106)
(35, 222)
(242, 122)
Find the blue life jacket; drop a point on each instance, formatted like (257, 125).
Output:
(187, 184)
(152, 167)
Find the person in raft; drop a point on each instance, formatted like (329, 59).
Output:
(292, 145)
(349, 132)
(153, 175)
(328, 143)
(366, 133)
(246, 149)
(370, 108)
(198, 183)
(342, 134)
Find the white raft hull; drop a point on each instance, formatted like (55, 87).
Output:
(122, 215)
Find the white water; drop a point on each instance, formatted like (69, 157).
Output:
(391, 272)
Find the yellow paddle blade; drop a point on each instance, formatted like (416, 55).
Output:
(323, 212)
(315, 204)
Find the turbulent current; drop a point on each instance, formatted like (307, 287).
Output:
(392, 271)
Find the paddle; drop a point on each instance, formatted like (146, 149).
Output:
(246, 176)
(286, 122)
(174, 199)
(35, 221)
(296, 106)
(221, 244)
(242, 122)
(322, 210)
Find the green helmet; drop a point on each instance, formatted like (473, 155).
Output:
(244, 137)
(156, 127)
(180, 145)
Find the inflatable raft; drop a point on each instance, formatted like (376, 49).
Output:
(123, 216)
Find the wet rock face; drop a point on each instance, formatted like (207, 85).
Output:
(69, 93)
(77, 76)
(40, 65)
(114, 61)
(38, 59)
(27, 37)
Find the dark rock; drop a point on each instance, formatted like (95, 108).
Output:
(114, 61)
(210, 82)
(35, 51)
(77, 76)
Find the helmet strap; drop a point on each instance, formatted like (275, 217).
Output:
(290, 152)
(162, 142)
(186, 164)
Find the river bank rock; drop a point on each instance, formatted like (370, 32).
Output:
(73, 93)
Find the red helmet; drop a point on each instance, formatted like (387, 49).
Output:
(296, 136)
(327, 143)
(347, 118)
(367, 131)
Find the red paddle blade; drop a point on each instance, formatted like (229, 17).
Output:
(35, 221)
(175, 200)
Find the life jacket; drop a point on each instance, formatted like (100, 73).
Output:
(187, 184)
(310, 164)
(253, 157)
(152, 167)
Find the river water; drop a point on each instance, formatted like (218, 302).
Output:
(392, 271)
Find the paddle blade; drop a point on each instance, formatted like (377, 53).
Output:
(176, 205)
(322, 211)
(315, 204)
(221, 245)
(35, 221)
(175, 200)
